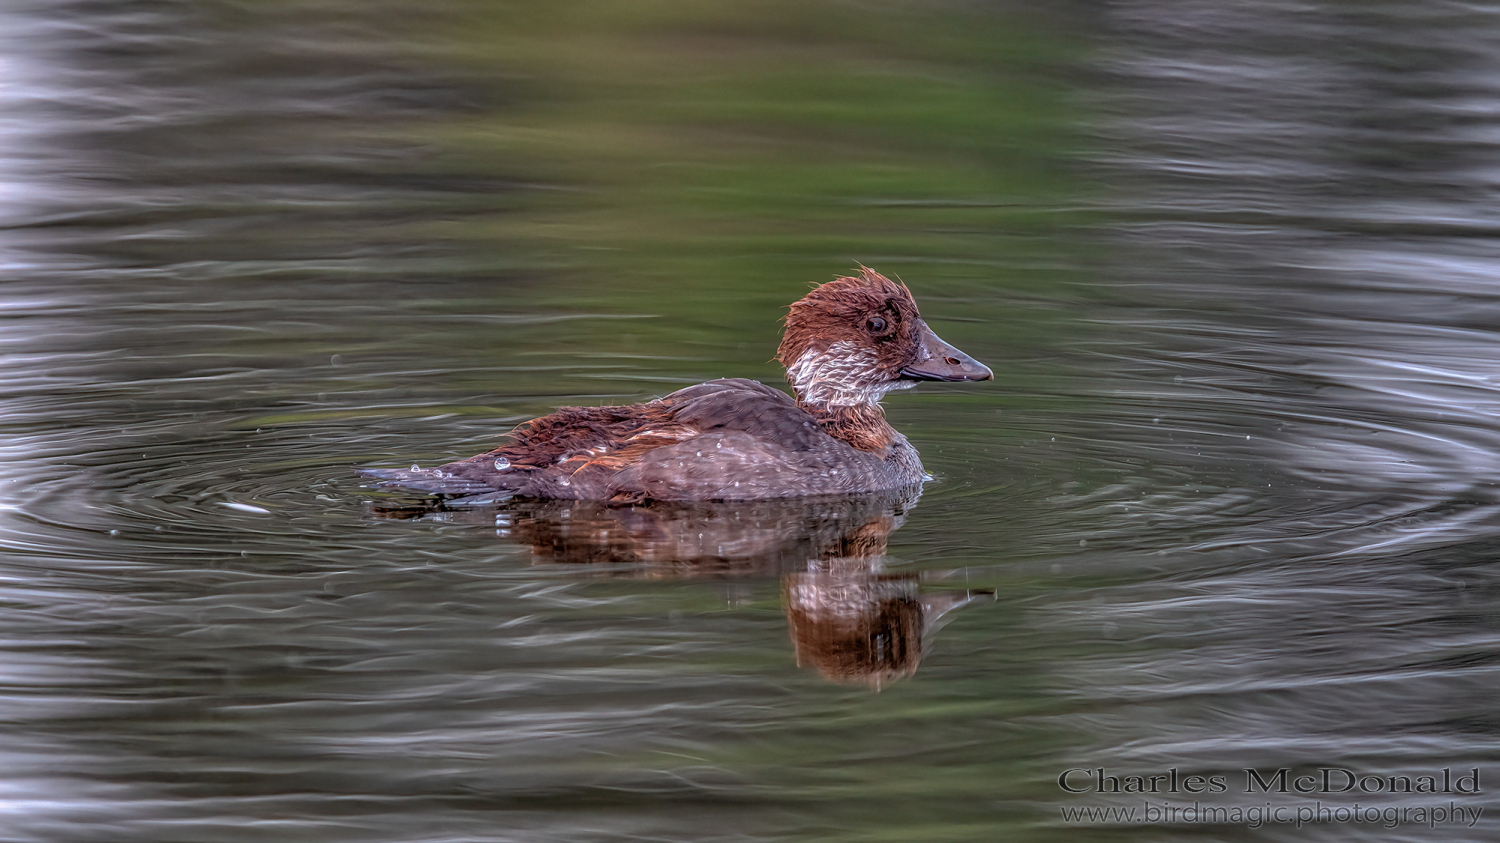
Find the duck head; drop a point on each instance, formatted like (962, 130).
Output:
(850, 341)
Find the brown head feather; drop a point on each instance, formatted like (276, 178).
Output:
(841, 310)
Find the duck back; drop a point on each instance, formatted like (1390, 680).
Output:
(731, 439)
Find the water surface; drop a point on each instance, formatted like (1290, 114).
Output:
(1229, 503)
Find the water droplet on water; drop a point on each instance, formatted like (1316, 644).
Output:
(246, 507)
(501, 463)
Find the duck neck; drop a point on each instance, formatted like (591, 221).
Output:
(861, 426)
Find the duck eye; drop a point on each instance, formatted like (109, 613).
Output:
(876, 325)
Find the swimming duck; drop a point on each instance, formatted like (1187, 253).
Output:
(846, 344)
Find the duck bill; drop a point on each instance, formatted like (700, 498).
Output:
(939, 361)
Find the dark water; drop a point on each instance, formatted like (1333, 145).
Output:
(1230, 503)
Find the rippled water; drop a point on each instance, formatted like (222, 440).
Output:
(1230, 502)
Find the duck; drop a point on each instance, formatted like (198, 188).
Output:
(845, 345)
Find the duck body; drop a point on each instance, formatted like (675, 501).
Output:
(847, 343)
(732, 439)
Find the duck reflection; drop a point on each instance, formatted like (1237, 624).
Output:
(849, 619)
(852, 623)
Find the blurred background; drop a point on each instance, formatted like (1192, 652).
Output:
(1233, 487)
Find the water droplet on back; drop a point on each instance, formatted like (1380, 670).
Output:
(501, 463)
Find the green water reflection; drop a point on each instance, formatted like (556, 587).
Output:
(707, 161)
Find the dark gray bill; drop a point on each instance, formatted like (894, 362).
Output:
(939, 361)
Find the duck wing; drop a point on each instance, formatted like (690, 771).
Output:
(724, 439)
(746, 406)
(751, 442)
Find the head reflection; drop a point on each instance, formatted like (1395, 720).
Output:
(850, 620)
(853, 625)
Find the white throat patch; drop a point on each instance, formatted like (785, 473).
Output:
(846, 375)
